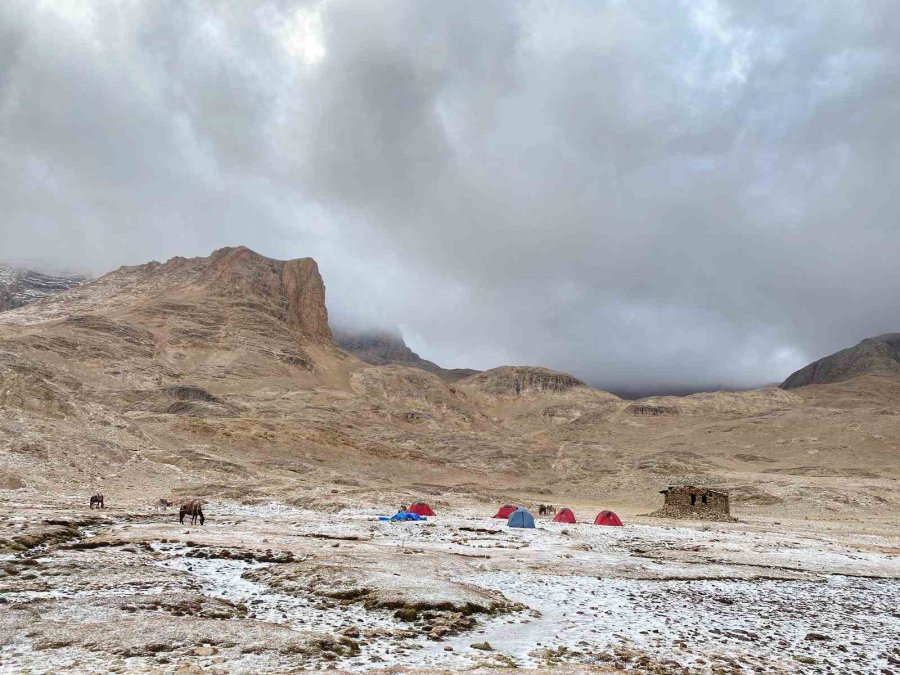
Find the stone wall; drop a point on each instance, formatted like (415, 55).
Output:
(687, 501)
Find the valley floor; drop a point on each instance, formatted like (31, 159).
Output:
(268, 588)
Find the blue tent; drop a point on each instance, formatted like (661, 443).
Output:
(403, 515)
(520, 518)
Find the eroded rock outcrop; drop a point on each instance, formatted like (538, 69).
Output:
(523, 380)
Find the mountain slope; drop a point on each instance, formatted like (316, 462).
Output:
(235, 312)
(19, 287)
(873, 356)
(382, 347)
(217, 377)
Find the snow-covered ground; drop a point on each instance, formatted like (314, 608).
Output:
(686, 598)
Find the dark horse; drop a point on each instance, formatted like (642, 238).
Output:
(194, 510)
(98, 500)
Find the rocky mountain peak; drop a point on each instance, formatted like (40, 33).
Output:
(289, 290)
(873, 356)
(384, 346)
(233, 314)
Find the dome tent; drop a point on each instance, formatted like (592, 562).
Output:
(565, 516)
(421, 509)
(505, 511)
(607, 518)
(520, 518)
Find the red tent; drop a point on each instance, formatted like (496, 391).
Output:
(505, 511)
(564, 516)
(421, 509)
(607, 518)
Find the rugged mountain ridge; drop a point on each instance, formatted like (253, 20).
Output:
(20, 287)
(873, 356)
(233, 314)
(384, 347)
(217, 377)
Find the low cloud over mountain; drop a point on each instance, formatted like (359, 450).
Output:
(645, 194)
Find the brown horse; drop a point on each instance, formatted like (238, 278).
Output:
(98, 500)
(193, 509)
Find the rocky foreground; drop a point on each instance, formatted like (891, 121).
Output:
(269, 588)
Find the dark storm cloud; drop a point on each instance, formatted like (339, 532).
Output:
(647, 194)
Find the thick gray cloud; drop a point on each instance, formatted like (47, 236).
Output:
(648, 194)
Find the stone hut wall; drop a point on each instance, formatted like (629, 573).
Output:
(686, 501)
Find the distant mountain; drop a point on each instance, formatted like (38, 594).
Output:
(19, 287)
(523, 380)
(873, 356)
(382, 348)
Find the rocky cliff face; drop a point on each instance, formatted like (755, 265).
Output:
(382, 348)
(293, 287)
(20, 287)
(232, 314)
(873, 356)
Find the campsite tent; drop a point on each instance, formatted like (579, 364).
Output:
(402, 516)
(421, 509)
(505, 511)
(564, 516)
(520, 518)
(607, 518)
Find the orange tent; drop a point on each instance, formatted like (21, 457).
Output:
(421, 509)
(564, 516)
(505, 511)
(607, 518)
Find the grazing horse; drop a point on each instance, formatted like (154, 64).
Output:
(194, 510)
(98, 500)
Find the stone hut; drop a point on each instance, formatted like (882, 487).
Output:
(689, 501)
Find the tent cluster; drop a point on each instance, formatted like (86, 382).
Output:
(515, 516)
(519, 517)
(418, 511)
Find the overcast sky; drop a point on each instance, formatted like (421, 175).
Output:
(647, 194)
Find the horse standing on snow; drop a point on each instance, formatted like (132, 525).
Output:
(98, 500)
(194, 510)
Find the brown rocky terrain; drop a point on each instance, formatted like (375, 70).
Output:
(218, 377)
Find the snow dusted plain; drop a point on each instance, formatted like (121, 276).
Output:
(648, 597)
